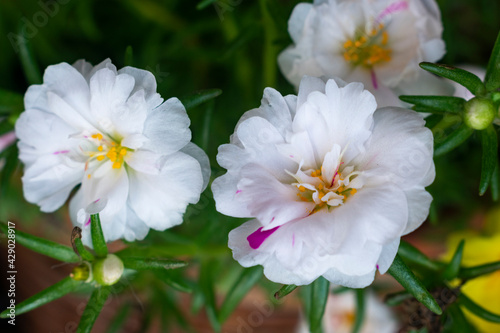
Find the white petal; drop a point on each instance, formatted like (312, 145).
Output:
(167, 128)
(198, 154)
(144, 80)
(161, 200)
(419, 202)
(387, 256)
(145, 161)
(225, 192)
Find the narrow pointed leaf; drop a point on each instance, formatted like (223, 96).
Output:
(360, 310)
(492, 78)
(178, 284)
(247, 279)
(478, 310)
(475, 271)
(98, 242)
(204, 4)
(489, 141)
(78, 248)
(318, 298)
(206, 282)
(466, 79)
(152, 263)
(412, 255)
(455, 139)
(413, 285)
(495, 184)
(57, 290)
(43, 246)
(93, 309)
(459, 323)
(285, 290)
(453, 267)
(28, 62)
(437, 103)
(199, 97)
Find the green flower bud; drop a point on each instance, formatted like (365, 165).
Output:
(107, 271)
(82, 272)
(479, 113)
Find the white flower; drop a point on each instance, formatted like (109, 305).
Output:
(111, 132)
(377, 42)
(331, 183)
(340, 314)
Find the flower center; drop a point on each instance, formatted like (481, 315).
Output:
(107, 148)
(324, 188)
(368, 50)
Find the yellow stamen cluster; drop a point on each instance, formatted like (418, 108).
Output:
(368, 50)
(115, 154)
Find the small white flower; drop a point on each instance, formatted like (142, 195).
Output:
(331, 183)
(340, 315)
(377, 42)
(111, 132)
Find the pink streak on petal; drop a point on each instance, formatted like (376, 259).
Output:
(293, 240)
(97, 200)
(377, 267)
(291, 156)
(393, 8)
(60, 152)
(7, 139)
(374, 79)
(258, 237)
(88, 222)
(239, 191)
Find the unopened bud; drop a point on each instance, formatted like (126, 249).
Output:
(107, 271)
(82, 272)
(479, 113)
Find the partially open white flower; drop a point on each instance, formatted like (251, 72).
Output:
(111, 132)
(331, 183)
(377, 42)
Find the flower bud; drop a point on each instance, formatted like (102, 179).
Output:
(479, 113)
(107, 271)
(82, 272)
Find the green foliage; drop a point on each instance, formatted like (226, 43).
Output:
(98, 242)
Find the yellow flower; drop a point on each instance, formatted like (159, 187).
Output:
(484, 290)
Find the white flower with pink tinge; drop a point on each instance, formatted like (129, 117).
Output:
(332, 183)
(111, 132)
(377, 42)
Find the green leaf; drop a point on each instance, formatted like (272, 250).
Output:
(178, 284)
(459, 323)
(463, 77)
(247, 279)
(204, 4)
(93, 309)
(116, 325)
(476, 271)
(30, 68)
(10, 102)
(284, 290)
(478, 310)
(397, 298)
(129, 56)
(318, 298)
(489, 142)
(492, 78)
(98, 242)
(436, 103)
(413, 285)
(452, 269)
(138, 263)
(192, 100)
(412, 255)
(360, 310)
(495, 184)
(10, 166)
(206, 282)
(53, 292)
(43, 246)
(455, 139)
